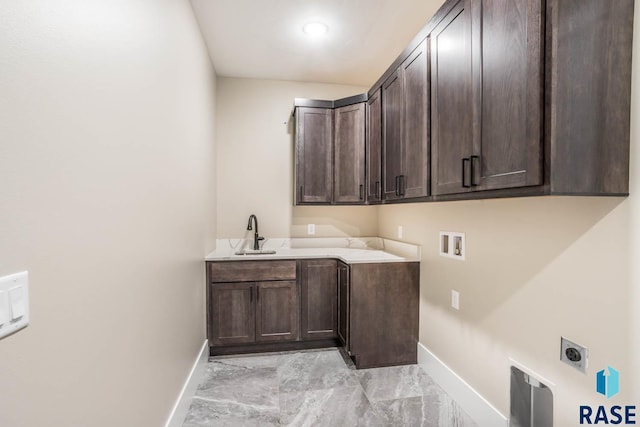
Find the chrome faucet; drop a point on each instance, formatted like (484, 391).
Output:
(256, 236)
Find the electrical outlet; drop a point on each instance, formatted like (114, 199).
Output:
(399, 232)
(455, 299)
(574, 354)
(311, 229)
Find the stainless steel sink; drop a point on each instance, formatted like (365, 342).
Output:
(254, 252)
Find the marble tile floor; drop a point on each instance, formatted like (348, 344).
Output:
(318, 388)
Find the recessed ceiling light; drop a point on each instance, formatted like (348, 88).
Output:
(315, 29)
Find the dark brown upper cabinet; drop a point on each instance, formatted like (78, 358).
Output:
(373, 152)
(531, 97)
(392, 136)
(314, 156)
(487, 87)
(349, 154)
(415, 130)
(509, 150)
(405, 117)
(493, 99)
(454, 99)
(588, 96)
(330, 151)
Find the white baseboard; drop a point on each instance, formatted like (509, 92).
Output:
(476, 406)
(181, 407)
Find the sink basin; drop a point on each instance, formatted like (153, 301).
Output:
(254, 252)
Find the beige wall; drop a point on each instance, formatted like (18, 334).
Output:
(536, 269)
(254, 138)
(107, 198)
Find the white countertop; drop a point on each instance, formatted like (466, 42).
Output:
(349, 250)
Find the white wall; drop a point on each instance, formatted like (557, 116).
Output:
(255, 162)
(536, 269)
(107, 198)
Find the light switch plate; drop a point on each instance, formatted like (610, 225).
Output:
(17, 302)
(14, 303)
(5, 310)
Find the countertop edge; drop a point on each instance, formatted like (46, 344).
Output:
(349, 250)
(294, 258)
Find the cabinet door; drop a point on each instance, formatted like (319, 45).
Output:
(414, 180)
(455, 86)
(374, 148)
(232, 313)
(384, 303)
(510, 152)
(343, 305)
(349, 164)
(392, 136)
(314, 168)
(318, 299)
(276, 311)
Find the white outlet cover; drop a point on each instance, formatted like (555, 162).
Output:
(311, 229)
(455, 299)
(400, 232)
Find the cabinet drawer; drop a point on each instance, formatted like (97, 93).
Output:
(251, 271)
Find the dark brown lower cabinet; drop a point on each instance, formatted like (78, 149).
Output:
(232, 314)
(318, 299)
(382, 326)
(244, 313)
(276, 311)
(371, 309)
(343, 305)
(251, 303)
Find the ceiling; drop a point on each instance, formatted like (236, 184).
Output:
(264, 38)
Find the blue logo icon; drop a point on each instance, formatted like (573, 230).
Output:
(608, 383)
